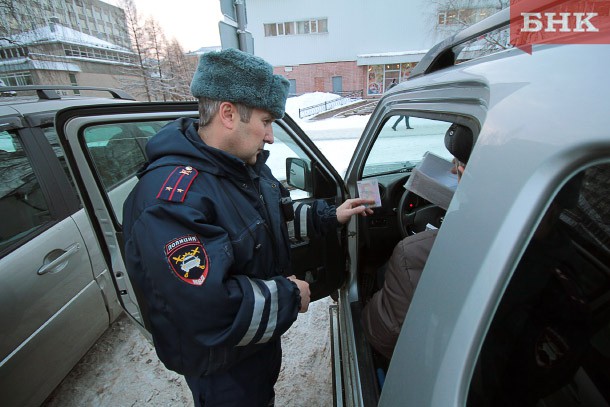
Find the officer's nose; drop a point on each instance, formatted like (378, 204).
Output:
(269, 139)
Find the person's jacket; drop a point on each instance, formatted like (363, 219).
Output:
(207, 249)
(385, 313)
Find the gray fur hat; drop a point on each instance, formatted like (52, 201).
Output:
(236, 76)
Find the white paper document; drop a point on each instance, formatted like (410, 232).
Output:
(432, 180)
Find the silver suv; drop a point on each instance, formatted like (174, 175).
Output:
(58, 294)
(513, 305)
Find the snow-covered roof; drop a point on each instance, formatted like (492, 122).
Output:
(23, 64)
(60, 33)
(204, 50)
(395, 57)
(392, 54)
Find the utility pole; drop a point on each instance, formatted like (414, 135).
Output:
(240, 9)
(233, 33)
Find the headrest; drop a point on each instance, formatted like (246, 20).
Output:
(459, 141)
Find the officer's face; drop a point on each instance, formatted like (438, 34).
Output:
(252, 136)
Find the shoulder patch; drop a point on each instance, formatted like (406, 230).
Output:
(188, 259)
(177, 184)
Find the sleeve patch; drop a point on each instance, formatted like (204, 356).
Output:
(188, 259)
(176, 186)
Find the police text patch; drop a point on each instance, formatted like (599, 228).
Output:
(188, 259)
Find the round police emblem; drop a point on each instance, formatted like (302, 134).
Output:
(188, 259)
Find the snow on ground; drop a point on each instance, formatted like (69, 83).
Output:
(122, 368)
(293, 105)
(335, 137)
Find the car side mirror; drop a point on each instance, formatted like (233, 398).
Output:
(298, 174)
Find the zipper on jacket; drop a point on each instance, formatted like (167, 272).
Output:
(267, 225)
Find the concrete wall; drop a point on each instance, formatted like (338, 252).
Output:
(318, 77)
(354, 27)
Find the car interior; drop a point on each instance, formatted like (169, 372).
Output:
(548, 344)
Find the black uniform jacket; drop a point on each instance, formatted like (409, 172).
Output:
(207, 247)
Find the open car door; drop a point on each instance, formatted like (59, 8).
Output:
(105, 147)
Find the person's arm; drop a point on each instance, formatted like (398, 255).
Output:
(318, 218)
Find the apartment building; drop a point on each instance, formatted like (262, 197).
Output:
(93, 17)
(66, 42)
(349, 45)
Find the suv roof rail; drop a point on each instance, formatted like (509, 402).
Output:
(443, 54)
(48, 92)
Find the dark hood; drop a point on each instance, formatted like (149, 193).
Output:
(178, 143)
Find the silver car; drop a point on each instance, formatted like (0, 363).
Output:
(57, 291)
(540, 123)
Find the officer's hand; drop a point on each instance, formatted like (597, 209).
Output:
(304, 289)
(353, 206)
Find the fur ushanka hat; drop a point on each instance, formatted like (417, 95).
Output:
(236, 76)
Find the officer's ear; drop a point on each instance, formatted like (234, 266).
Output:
(228, 115)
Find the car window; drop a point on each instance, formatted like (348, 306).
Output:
(549, 341)
(51, 136)
(118, 150)
(489, 43)
(23, 206)
(284, 147)
(402, 142)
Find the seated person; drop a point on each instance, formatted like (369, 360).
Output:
(384, 314)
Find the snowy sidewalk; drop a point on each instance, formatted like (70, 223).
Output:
(122, 369)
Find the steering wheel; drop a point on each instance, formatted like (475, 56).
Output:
(413, 218)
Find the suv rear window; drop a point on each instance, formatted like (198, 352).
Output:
(23, 207)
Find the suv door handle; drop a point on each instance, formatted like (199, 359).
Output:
(57, 264)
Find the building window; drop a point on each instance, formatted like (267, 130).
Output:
(464, 16)
(289, 28)
(17, 79)
(323, 26)
(303, 27)
(74, 83)
(380, 77)
(270, 30)
(15, 52)
(96, 53)
(292, 90)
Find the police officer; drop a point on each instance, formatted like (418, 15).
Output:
(206, 240)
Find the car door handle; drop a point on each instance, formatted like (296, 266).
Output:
(58, 264)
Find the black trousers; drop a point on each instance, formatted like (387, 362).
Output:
(249, 383)
(399, 119)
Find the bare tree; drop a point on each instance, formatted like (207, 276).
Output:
(157, 46)
(452, 16)
(163, 67)
(179, 69)
(141, 69)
